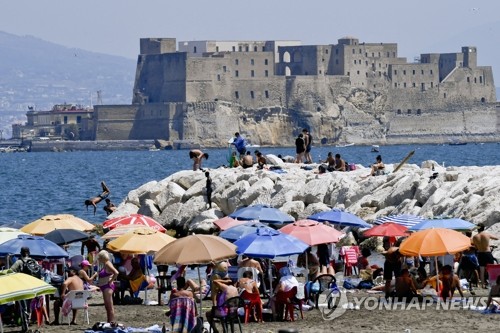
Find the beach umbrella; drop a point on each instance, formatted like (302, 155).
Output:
(262, 213)
(20, 286)
(140, 241)
(195, 250)
(388, 229)
(13, 224)
(48, 223)
(453, 223)
(404, 219)
(122, 230)
(248, 227)
(269, 244)
(7, 233)
(434, 242)
(312, 232)
(66, 236)
(340, 217)
(132, 219)
(40, 248)
(227, 222)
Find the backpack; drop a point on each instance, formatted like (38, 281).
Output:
(31, 267)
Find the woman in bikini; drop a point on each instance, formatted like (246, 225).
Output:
(107, 277)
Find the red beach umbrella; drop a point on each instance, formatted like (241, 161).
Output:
(133, 219)
(312, 232)
(228, 222)
(389, 229)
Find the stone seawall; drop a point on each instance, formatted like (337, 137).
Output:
(178, 201)
(44, 146)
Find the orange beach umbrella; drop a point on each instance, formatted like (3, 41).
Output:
(434, 242)
(140, 241)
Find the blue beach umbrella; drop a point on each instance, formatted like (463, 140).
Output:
(406, 220)
(234, 233)
(40, 248)
(453, 223)
(262, 213)
(340, 217)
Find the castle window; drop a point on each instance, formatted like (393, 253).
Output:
(194, 49)
(409, 111)
(366, 62)
(388, 54)
(252, 62)
(475, 80)
(404, 72)
(323, 60)
(399, 111)
(480, 79)
(422, 86)
(394, 54)
(419, 112)
(251, 94)
(336, 51)
(379, 65)
(432, 84)
(353, 51)
(218, 77)
(360, 51)
(266, 93)
(216, 49)
(404, 85)
(224, 69)
(431, 71)
(468, 79)
(395, 84)
(255, 48)
(358, 72)
(236, 62)
(234, 48)
(320, 72)
(348, 73)
(236, 94)
(413, 72)
(444, 95)
(413, 85)
(266, 62)
(379, 54)
(240, 48)
(236, 73)
(395, 72)
(355, 62)
(247, 48)
(252, 73)
(483, 100)
(373, 54)
(78, 119)
(326, 51)
(266, 73)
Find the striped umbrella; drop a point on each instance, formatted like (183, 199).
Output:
(131, 220)
(406, 220)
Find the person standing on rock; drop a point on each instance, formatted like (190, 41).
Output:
(240, 144)
(197, 155)
(300, 148)
(308, 143)
(209, 189)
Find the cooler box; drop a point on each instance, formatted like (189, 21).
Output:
(493, 272)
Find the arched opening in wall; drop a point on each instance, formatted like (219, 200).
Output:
(419, 112)
(483, 100)
(286, 57)
(398, 112)
(409, 111)
(324, 141)
(297, 56)
(288, 71)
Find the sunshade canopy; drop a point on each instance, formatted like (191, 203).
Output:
(140, 241)
(66, 236)
(266, 243)
(19, 286)
(121, 230)
(404, 219)
(133, 219)
(7, 233)
(453, 223)
(40, 248)
(262, 213)
(48, 223)
(312, 232)
(228, 222)
(388, 229)
(234, 233)
(195, 249)
(340, 217)
(434, 242)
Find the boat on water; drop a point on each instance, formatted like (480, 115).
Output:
(345, 145)
(375, 148)
(457, 143)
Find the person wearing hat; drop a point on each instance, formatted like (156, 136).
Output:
(73, 282)
(88, 281)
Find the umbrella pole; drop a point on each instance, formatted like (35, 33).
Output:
(307, 268)
(200, 291)
(270, 275)
(437, 274)
(1, 324)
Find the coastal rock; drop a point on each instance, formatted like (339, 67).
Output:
(470, 193)
(125, 208)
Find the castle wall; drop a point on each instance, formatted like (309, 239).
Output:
(157, 45)
(114, 122)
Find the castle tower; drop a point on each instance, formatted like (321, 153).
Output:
(470, 56)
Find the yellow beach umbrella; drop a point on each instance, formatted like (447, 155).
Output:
(19, 286)
(49, 223)
(140, 241)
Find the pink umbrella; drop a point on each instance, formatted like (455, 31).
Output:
(312, 232)
(133, 219)
(228, 222)
(389, 229)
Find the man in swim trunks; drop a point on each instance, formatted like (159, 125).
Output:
(197, 155)
(482, 243)
(110, 207)
(247, 161)
(95, 200)
(73, 282)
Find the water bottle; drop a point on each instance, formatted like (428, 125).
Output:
(163, 328)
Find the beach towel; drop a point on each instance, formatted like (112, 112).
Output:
(183, 314)
(66, 307)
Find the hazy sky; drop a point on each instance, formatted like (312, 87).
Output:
(115, 26)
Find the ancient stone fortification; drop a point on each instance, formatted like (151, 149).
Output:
(178, 200)
(347, 92)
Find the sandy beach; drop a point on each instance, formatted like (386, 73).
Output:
(363, 320)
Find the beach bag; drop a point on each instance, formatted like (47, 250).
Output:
(31, 267)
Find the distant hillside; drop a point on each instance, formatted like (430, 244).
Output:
(37, 73)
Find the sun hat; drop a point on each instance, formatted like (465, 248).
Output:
(85, 263)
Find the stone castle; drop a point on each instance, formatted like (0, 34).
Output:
(204, 91)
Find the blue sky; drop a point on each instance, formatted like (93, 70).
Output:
(115, 26)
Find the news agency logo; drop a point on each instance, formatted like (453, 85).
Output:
(332, 304)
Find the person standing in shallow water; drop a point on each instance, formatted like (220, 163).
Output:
(209, 189)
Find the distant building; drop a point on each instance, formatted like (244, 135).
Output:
(64, 121)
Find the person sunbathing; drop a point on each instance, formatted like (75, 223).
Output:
(405, 287)
(494, 296)
(95, 200)
(450, 282)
